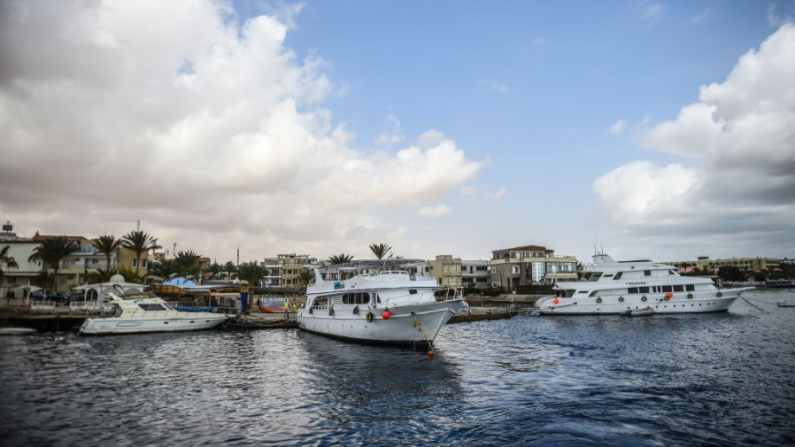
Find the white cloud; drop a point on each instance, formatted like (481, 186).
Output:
(741, 135)
(700, 17)
(499, 194)
(392, 138)
(211, 134)
(648, 11)
(495, 86)
(618, 128)
(778, 18)
(430, 138)
(434, 212)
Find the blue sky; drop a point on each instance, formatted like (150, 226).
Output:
(319, 153)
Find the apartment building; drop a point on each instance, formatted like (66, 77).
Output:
(447, 270)
(530, 265)
(475, 273)
(284, 270)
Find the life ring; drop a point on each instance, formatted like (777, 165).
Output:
(643, 298)
(621, 299)
(720, 294)
(690, 296)
(599, 299)
(666, 298)
(356, 310)
(369, 317)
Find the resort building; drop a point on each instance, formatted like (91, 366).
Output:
(447, 270)
(475, 273)
(20, 249)
(530, 265)
(704, 263)
(285, 270)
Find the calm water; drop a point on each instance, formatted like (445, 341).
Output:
(721, 379)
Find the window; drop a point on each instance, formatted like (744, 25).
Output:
(583, 291)
(412, 292)
(632, 290)
(135, 262)
(515, 269)
(62, 280)
(356, 298)
(667, 289)
(143, 263)
(671, 272)
(608, 276)
(643, 289)
(151, 307)
(618, 276)
(679, 288)
(647, 273)
(593, 276)
(690, 287)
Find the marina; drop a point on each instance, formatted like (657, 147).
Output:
(662, 379)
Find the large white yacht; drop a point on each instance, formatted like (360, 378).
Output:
(611, 287)
(378, 305)
(134, 311)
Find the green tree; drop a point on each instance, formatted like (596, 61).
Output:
(732, 274)
(215, 270)
(188, 263)
(102, 275)
(106, 245)
(305, 276)
(139, 242)
(230, 269)
(163, 269)
(380, 250)
(340, 259)
(130, 275)
(251, 272)
(6, 262)
(51, 252)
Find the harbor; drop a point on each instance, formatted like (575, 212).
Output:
(660, 380)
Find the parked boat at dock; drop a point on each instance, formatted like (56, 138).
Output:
(378, 305)
(143, 312)
(612, 287)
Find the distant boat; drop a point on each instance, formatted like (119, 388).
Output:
(16, 331)
(786, 304)
(611, 287)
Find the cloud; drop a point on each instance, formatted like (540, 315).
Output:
(499, 194)
(392, 138)
(618, 128)
(434, 212)
(430, 138)
(778, 18)
(210, 132)
(700, 17)
(648, 11)
(495, 86)
(740, 135)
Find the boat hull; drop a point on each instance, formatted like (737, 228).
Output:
(701, 302)
(115, 326)
(399, 329)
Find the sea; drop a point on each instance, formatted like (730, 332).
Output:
(720, 379)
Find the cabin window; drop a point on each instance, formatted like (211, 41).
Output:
(643, 289)
(412, 292)
(355, 298)
(679, 288)
(647, 273)
(672, 272)
(594, 293)
(377, 298)
(583, 291)
(153, 307)
(632, 290)
(593, 276)
(321, 301)
(667, 288)
(608, 276)
(618, 276)
(690, 287)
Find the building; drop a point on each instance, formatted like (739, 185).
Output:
(19, 249)
(285, 270)
(704, 263)
(530, 265)
(447, 270)
(475, 273)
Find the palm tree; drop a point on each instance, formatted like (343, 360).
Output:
(163, 269)
(188, 263)
(380, 250)
(51, 252)
(6, 261)
(139, 242)
(305, 276)
(215, 270)
(340, 259)
(102, 275)
(106, 244)
(230, 268)
(251, 272)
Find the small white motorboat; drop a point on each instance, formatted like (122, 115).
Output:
(16, 331)
(638, 312)
(786, 304)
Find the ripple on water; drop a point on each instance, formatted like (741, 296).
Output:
(722, 379)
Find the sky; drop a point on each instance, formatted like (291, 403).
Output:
(655, 129)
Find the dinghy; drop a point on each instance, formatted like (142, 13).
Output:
(638, 312)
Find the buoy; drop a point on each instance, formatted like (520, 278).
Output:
(557, 301)
(386, 315)
(670, 295)
(431, 354)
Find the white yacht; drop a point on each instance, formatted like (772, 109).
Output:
(611, 287)
(385, 307)
(133, 311)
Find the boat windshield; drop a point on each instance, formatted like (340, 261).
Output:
(592, 276)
